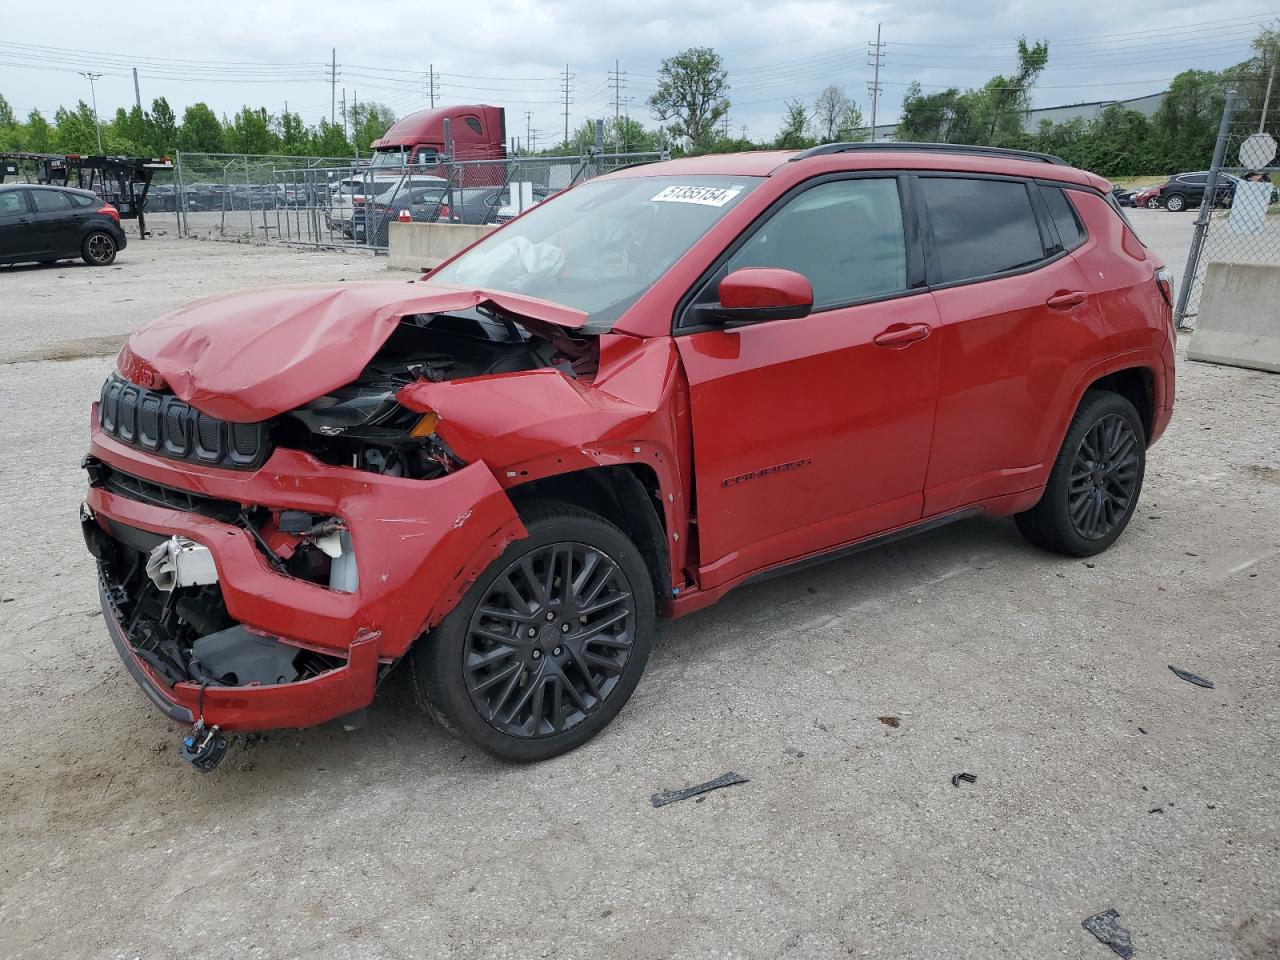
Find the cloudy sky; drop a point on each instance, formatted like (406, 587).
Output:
(512, 54)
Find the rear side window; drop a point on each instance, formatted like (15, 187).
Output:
(474, 124)
(1070, 232)
(980, 227)
(844, 236)
(80, 200)
(50, 201)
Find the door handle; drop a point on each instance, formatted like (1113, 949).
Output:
(1063, 301)
(901, 336)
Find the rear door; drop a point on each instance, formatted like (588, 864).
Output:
(17, 237)
(1015, 310)
(814, 432)
(55, 223)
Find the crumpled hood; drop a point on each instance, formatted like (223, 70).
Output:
(252, 355)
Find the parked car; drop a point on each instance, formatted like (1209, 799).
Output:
(648, 390)
(423, 204)
(353, 192)
(46, 224)
(1186, 190)
(161, 198)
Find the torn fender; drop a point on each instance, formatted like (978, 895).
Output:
(514, 418)
(252, 355)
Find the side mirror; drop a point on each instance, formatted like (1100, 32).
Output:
(758, 294)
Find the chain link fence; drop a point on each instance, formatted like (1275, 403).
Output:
(339, 203)
(1239, 218)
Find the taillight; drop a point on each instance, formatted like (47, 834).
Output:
(357, 199)
(1164, 281)
(446, 212)
(107, 210)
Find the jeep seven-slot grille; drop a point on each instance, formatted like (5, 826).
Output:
(160, 423)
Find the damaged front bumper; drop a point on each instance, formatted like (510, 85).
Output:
(417, 545)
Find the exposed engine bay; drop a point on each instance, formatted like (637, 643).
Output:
(361, 425)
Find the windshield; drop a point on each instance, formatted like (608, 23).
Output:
(599, 246)
(395, 157)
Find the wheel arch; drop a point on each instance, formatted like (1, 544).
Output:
(627, 495)
(1137, 384)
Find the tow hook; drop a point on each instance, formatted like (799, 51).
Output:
(203, 748)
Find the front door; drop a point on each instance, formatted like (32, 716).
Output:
(17, 238)
(814, 432)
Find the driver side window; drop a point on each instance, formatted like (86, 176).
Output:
(844, 236)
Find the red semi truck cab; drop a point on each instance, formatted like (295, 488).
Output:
(476, 132)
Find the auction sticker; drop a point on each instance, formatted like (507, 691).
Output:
(706, 196)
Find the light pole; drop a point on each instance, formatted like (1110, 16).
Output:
(97, 127)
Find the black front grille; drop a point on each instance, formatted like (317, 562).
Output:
(161, 423)
(159, 495)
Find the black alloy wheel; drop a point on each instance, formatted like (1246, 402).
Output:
(548, 644)
(1104, 477)
(99, 249)
(1095, 482)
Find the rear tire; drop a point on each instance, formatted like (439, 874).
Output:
(581, 587)
(1096, 480)
(98, 249)
(1175, 203)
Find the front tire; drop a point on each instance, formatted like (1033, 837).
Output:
(549, 643)
(1175, 203)
(98, 249)
(1096, 480)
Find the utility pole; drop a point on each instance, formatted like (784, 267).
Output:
(344, 113)
(333, 86)
(94, 97)
(1266, 100)
(566, 89)
(528, 127)
(616, 79)
(431, 84)
(876, 50)
(137, 90)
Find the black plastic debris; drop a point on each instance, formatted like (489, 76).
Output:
(1104, 927)
(1195, 678)
(966, 777)
(672, 796)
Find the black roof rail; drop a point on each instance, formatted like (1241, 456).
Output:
(891, 145)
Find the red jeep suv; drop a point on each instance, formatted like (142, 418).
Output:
(643, 392)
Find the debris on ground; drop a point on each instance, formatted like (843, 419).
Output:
(966, 777)
(673, 796)
(1195, 678)
(1104, 927)
(889, 721)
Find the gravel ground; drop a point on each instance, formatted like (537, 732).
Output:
(1103, 780)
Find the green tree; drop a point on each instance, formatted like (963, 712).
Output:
(37, 134)
(75, 130)
(329, 140)
(836, 118)
(163, 139)
(692, 93)
(130, 133)
(295, 138)
(10, 129)
(200, 132)
(794, 134)
(369, 122)
(250, 132)
(1185, 125)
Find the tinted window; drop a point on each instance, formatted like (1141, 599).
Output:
(51, 201)
(474, 124)
(80, 200)
(11, 204)
(1195, 179)
(980, 227)
(844, 236)
(1070, 232)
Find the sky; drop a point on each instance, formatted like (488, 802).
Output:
(513, 54)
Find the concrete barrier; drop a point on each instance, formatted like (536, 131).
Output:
(417, 246)
(1239, 319)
